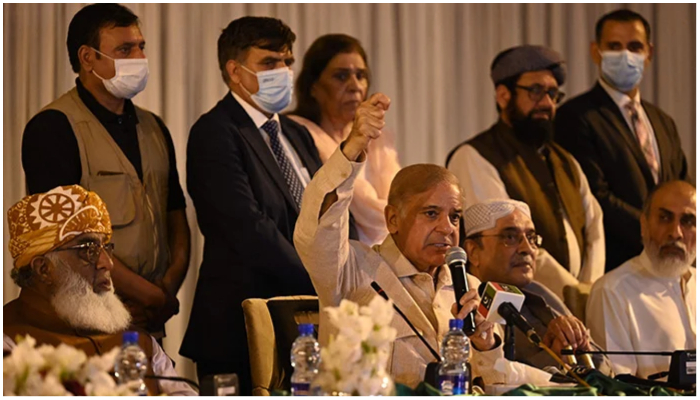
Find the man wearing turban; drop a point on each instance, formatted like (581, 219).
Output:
(517, 159)
(60, 243)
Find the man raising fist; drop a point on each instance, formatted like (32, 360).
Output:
(422, 217)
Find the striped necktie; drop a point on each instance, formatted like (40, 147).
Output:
(290, 176)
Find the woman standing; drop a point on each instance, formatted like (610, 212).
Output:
(334, 80)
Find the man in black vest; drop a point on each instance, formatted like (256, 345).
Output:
(626, 145)
(517, 159)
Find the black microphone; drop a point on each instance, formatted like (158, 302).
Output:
(511, 314)
(456, 259)
(382, 293)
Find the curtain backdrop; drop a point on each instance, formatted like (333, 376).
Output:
(432, 60)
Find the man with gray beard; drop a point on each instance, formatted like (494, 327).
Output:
(60, 243)
(502, 246)
(648, 303)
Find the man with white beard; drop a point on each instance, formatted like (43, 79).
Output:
(648, 303)
(60, 243)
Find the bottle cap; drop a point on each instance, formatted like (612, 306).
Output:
(306, 329)
(456, 324)
(130, 337)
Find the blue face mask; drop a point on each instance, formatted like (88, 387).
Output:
(622, 69)
(274, 89)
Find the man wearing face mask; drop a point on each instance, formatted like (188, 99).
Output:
(625, 145)
(96, 137)
(247, 168)
(517, 159)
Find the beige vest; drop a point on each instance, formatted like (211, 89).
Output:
(138, 210)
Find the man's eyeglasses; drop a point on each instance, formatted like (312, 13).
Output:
(90, 251)
(510, 239)
(537, 92)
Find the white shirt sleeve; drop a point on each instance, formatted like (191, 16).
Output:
(479, 179)
(608, 319)
(163, 366)
(593, 265)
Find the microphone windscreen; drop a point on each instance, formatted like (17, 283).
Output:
(456, 254)
(482, 287)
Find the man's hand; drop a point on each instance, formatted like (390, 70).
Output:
(368, 125)
(566, 330)
(483, 338)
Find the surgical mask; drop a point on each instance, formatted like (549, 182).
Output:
(622, 69)
(274, 89)
(130, 76)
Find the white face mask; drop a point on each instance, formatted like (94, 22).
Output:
(130, 77)
(274, 89)
(622, 69)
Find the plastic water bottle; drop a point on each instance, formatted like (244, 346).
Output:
(454, 373)
(131, 364)
(306, 355)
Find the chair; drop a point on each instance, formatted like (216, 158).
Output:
(576, 297)
(272, 328)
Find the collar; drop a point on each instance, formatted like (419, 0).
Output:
(104, 115)
(621, 99)
(403, 268)
(258, 118)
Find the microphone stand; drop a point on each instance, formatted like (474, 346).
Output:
(509, 342)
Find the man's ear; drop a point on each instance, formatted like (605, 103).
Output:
(595, 53)
(471, 247)
(503, 96)
(86, 56)
(644, 224)
(232, 71)
(391, 216)
(41, 268)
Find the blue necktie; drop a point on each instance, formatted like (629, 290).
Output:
(295, 186)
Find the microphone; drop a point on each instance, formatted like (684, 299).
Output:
(382, 293)
(433, 368)
(456, 259)
(501, 303)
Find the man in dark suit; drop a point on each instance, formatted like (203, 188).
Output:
(625, 145)
(247, 167)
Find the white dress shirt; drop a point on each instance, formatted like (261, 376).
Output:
(633, 309)
(160, 362)
(259, 120)
(481, 181)
(621, 99)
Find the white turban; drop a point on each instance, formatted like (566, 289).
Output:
(483, 216)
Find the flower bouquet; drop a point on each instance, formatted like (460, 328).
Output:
(58, 371)
(355, 360)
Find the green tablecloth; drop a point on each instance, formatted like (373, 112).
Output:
(601, 385)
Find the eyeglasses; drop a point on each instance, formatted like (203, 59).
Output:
(537, 92)
(510, 239)
(91, 251)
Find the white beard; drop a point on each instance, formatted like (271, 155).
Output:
(76, 303)
(668, 267)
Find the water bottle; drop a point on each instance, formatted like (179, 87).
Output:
(131, 364)
(306, 355)
(454, 373)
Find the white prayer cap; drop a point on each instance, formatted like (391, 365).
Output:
(483, 216)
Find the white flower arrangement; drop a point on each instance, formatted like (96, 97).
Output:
(355, 360)
(58, 371)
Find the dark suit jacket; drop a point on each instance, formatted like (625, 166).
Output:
(592, 128)
(247, 216)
